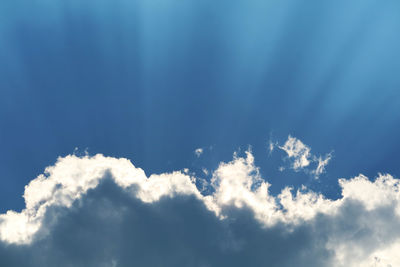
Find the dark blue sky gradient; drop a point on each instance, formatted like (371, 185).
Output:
(154, 80)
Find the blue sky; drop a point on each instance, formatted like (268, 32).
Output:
(152, 81)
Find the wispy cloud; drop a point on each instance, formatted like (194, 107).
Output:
(298, 152)
(198, 152)
(301, 158)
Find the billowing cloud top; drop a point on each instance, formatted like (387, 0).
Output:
(103, 211)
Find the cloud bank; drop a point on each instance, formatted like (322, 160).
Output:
(104, 211)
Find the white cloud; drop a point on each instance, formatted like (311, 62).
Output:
(99, 203)
(271, 146)
(322, 163)
(302, 158)
(299, 152)
(198, 152)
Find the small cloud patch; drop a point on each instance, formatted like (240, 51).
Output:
(198, 152)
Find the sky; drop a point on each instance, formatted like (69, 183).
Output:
(179, 127)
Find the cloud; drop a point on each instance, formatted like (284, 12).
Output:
(104, 211)
(302, 158)
(198, 152)
(271, 146)
(322, 163)
(299, 152)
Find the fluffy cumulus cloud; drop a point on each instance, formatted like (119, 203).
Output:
(103, 211)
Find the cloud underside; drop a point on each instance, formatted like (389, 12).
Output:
(103, 211)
